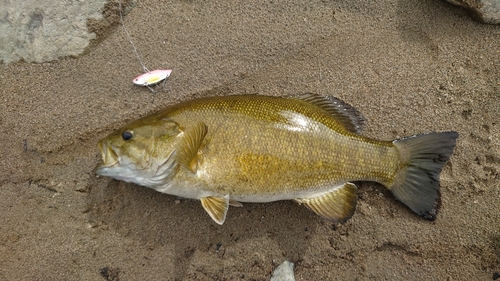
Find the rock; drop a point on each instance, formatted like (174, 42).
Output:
(284, 272)
(487, 11)
(44, 30)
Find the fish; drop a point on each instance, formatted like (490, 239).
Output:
(224, 150)
(152, 77)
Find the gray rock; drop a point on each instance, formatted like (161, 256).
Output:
(486, 10)
(44, 30)
(284, 272)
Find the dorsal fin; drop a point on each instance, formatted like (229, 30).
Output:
(189, 144)
(345, 114)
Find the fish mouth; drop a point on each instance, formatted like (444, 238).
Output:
(109, 158)
(112, 166)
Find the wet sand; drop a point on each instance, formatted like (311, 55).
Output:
(408, 66)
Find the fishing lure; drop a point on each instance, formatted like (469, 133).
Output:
(148, 77)
(152, 77)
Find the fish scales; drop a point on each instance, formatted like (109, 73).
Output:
(254, 148)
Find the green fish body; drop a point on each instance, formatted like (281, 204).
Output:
(253, 148)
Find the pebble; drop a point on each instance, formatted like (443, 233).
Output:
(284, 272)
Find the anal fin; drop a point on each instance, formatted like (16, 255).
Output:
(337, 205)
(216, 207)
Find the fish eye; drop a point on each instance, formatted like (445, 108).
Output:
(127, 135)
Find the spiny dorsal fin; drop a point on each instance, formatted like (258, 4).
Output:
(345, 114)
(216, 207)
(337, 205)
(189, 145)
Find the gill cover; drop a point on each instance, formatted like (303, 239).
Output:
(142, 152)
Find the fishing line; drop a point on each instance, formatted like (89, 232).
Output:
(144, 68)
(148, 77)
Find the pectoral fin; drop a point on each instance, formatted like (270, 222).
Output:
(337, 205)
(216, 207)
(189, 145)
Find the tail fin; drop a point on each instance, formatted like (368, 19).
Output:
(417, 183)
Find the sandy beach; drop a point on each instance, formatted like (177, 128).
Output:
(408, 66)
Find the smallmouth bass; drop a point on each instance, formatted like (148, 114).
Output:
(254, 148)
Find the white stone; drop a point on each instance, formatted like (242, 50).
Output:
(284, 272)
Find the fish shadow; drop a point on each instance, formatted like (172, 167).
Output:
(157, 220)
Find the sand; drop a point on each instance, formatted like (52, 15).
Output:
(408, 66)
